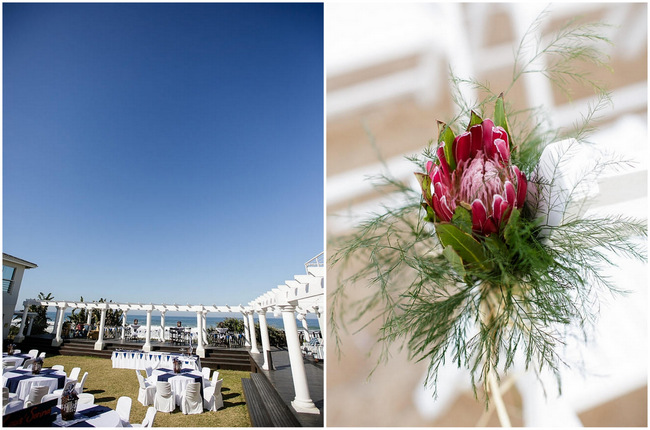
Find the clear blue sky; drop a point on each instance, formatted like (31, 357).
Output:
(165, 153)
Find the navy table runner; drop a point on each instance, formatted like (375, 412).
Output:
(13, 381)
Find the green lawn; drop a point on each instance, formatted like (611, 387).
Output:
(108, 384)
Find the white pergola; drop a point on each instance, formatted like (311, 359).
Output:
(301, 295)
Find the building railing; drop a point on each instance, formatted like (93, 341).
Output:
(317, 261)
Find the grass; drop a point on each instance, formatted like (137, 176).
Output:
(108, 384)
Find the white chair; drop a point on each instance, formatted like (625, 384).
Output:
(36, 394)
(33, 353)
(74, 374)
(14, 406)
(147, 392)
(86, 399)
(79, 388)
(59, 367)
(16, 351)
(8, 367)
(148, 418)
(215, 377)
(191, 402)
(206, 373)
(27, 364)
(148, 370)
(164, 400)
(212, 398)
(42, 355)
(7, 396)
(51, 396)
(123, 408)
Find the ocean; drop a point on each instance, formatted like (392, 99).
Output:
(189, 320)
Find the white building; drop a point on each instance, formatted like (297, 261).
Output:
(12, 276)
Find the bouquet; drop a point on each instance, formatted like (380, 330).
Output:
(491, 260)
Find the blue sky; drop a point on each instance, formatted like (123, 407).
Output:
(162, 152)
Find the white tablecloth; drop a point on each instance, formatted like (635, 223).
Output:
(140, 360)
(25, 385)
(16, 360)
(109, 418)
(178, 383)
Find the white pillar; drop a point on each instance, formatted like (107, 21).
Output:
(162, 325)
(205, 328)
(302, 402)
(200, 351)
(20, 336)
(124, 320)
(147, 342)
(58, 340)
(246, 330)
(319, 315)
(264, 333)
(99, 345)
(251, 328)
(29, 327)
(303, 320)
(89, 317)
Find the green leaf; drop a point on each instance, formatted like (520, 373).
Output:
(462, 219)
(510, 227)
(455, 260)
(474, 120)
(469, 249)
(446, 135)
(500, 117)
(425, 184)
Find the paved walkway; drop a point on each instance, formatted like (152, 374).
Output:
(283, 382)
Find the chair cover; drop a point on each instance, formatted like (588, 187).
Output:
(7, 396)
(51, 396)
(42, 355)
(146, 393)
(213, 400)
(215, 377)
(33, 353)
(79, 388)
(14, 406)
(27, 364)
(123, 408)
(206, 373)
(148, 370)
(74, 373)
(36, 394)
(148, 419)
(164, 400)
(86, 399)
(59, 367)
(191, 402)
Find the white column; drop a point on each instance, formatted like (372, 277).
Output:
(251, 328)
(89, 317)
(319, 315)
(302, 402)
(20, 336)
(99, 345)
(58, 340)
(205, 328)
(29, 327)
(303, 319)
(147, 343)
(124, 319)
(200, 351)
(264, 333)
(246, 333)
(162, 325)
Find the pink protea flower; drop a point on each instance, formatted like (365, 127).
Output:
(479, 178)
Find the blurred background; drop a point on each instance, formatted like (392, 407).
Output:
(387, 84)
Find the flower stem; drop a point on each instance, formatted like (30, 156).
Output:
(498, 400)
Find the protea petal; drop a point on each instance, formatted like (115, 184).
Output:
(443, 161)
(487, 126)
(490, 227)
(502, 150)
(522, 185)
(430, 166)
(497, 206)
(462, 147)
(446, 209)
(509, 190)
(476, 138)
(479, 215)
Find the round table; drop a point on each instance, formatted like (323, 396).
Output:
(21, 381)
(16, 359)
(91, 415)
(178, 381)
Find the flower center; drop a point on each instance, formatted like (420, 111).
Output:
(481, 179)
